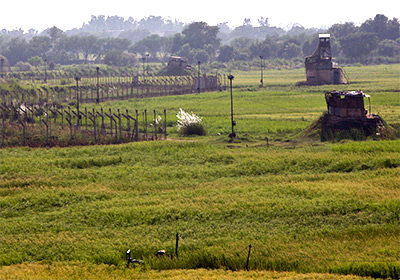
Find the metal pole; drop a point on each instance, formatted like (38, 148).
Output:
(232, 135)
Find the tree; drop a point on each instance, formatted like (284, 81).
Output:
(134, 35)
(290, 50)
(185, 52)
(359, 45)
(177, 43)
(39, 46)
(200, 55)
(200, 34)
(4, 65)
(153, 44)
(55, 34)
(16, 50)
(267, 48)
(35, 61)
(263, 22)
(382, 27)
(389, 48)
(118, 58)
(226, 53)
(121, 44)
(340, 30)
(241, 43)
(23, 66)
(310, 45)
(88, 46)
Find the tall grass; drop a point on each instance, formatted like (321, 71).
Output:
(294, 206)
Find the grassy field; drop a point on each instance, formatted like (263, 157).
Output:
(309, 209)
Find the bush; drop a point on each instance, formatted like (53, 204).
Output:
(193, 129)
(189, 124)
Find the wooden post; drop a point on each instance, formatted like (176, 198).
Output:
(119, 124)
(177, 245)
(111, 122)
(86, 117)
(137, 126)
(128, 124)
(145, 124)
(165, 124)
(92, 117)
(62, 117)
(155, 124)
(4, 128)
(23, 129)
(47, 131)
(68, 119)
(248, 258)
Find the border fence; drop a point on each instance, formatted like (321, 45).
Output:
(90, 90)
(32, 125)
(46, 112)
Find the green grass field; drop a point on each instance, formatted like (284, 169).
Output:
(309, 209)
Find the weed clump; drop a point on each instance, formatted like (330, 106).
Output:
(190, 124)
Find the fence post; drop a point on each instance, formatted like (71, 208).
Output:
(176, 244)
(111, 123)
(137, 126)
(248, 258)
(145, 124)
(128, 124)
(165, 124)
(86, 117)
(47, 131)
(155, 125)
(4, 128)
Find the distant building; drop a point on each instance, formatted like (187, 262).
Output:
(319, 65)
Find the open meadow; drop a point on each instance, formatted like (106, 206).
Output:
(309, 209)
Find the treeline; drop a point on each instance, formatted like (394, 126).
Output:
(107, 40)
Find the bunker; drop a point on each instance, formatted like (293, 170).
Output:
(346, 112)
(176, 61)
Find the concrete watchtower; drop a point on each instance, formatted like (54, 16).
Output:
(319, 66)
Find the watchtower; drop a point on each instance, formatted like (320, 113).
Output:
(319, 65)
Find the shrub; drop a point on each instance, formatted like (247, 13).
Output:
(189, 123)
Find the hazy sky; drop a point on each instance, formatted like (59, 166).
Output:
(42, 14)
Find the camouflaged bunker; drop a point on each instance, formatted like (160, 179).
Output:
(319, 65)
(346, 111)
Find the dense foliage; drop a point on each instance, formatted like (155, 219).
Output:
(374, 41)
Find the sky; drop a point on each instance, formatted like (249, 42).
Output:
(42, 14)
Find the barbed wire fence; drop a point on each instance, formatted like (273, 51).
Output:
(34, 125)
(90, 90)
